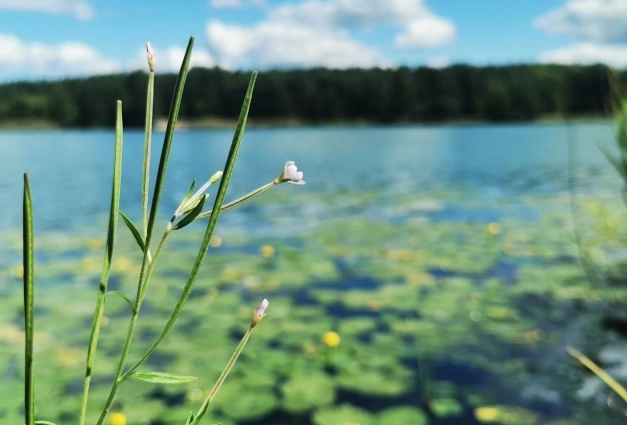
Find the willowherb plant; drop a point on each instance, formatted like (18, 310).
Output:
(189, 210)
(619, 161)
(619, 110)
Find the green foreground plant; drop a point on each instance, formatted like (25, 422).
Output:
(619, 161)
(189, 210)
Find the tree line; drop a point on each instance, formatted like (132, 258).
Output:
(455, 93)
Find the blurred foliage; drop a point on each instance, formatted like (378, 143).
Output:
(458, 92)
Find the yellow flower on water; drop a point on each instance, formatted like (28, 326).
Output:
(331, 339)
(493, 229)
(215, 241)
(118, 418)
(104, 322)
(487, 414)
(94, 244)
(122, 264)
(266, 251)
(18, 271)
(374, 305)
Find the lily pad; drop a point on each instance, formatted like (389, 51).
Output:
(402, 415)
(344, 414)
(304, 392)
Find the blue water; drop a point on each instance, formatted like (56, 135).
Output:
(70, 171)
(387, 175)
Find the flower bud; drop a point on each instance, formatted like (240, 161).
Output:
(259, 313)
(152, 59)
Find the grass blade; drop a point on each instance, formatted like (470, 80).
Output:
(123, 296)
(134, 230)
(150, 95)
(603, 375)
(104, 279)
(175, 108)
(29, 301)
(162, 377)
(224, 183)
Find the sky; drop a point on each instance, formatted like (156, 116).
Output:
(66, 38)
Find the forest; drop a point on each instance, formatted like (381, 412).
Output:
(458, 93)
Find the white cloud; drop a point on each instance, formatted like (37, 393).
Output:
(429, 31)
(63, 59)
(588, 53)
(235, 4)
(80, 9)
(170, 59)
(270, 44)
(354, 14)
(318, 32)
(592, 20)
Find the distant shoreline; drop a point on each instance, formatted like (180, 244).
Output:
(213, 123)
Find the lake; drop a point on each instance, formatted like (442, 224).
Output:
(444, 257)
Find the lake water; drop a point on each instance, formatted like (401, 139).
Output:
(440, 249)
(71, 170)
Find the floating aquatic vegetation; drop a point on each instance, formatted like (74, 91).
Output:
(445, 407)
(344, 414)
(402, 415)
(302, 393)
(239, 401)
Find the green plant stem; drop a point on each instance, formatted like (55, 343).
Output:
(239, 200)
(175, 108)
(609, 381)
(104, 279)
(225, 372)
(147, 148)
(29, 301)
(131, 330)
(213, 221)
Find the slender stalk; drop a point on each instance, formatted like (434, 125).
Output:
(29, 301)
(224, 183)
(175, 107)
(225, 372)
(587, 265)
(147, 147)
(129, 335)
(104, 279)
(609, 381)
(241, 199)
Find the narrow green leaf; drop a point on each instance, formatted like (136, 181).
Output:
(134, 231)
(44, 423)
(123, 296)
(106, 266)
(192, 214)
(173, 116)
(29, 301)
(213, 221)
(162, 378)
(190, 418)
(150, 95)
(189, 193)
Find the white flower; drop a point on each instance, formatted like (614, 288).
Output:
(152, 59)
(291, 174)
(259, 313)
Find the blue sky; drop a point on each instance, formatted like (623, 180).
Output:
(57, 38)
